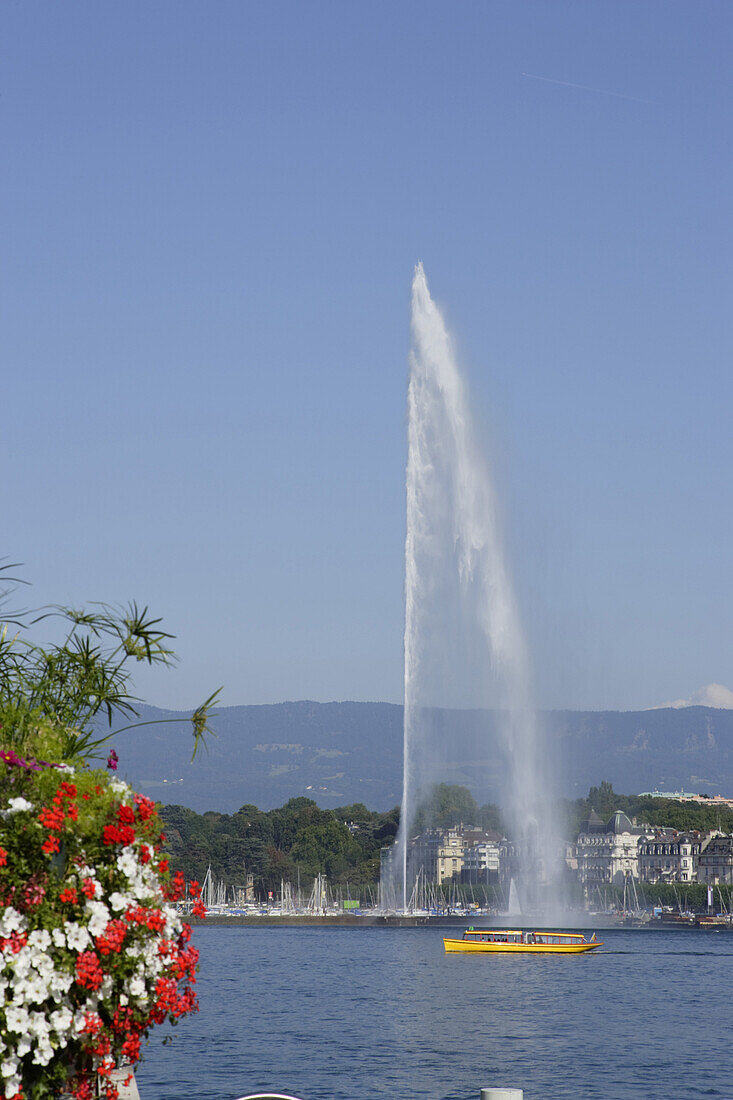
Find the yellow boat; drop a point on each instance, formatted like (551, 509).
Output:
(515, 941)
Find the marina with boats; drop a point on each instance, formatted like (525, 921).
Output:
(323, 904)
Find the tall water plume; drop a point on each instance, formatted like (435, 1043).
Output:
(463, 644)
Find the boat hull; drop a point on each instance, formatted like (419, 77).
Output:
(484, 948)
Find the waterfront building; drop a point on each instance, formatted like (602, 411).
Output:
(482, 860)
(441, 854)
(388, 876)
(438, 854)
(448, 861)
(457, 854)
(609, 852)
(526, 860)
(670, 856)
(244, 894)
(570, 859)
(509, 862)
(715, 863)
(434, 856)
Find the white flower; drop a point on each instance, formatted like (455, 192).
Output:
(58, 937)
(40, 939)
(127, 862)
(120, 901)
(66, 768)
(61, 1020)
(99, 917)
(17, 1018)
(77, 936)
(43, 1054)
(136, 986)
(151, 956)
(23, 1047)
(173, 922)
(39, 1025)
(119, 787)
(9, 1066)
(60, 983)
(21, 965)
(31, 990)
(11, 921)
(17, 805)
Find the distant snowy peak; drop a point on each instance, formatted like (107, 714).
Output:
(712, 695)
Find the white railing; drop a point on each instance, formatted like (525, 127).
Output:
(486, 1094)
(268, 1096)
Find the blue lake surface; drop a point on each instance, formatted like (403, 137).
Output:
(360, 1013)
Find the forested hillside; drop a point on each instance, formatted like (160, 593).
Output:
(341, 753)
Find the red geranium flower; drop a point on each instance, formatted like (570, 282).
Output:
(88, 970)
(52, 819)
(112, 937)
(126, 815)
(145, 807)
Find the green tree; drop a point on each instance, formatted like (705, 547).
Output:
(604, 800)
(446, 804)
(291, 819)
(327, 847)
(490, 818)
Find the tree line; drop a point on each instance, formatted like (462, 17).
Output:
(295, 843)
(665, 812)
(299, 840)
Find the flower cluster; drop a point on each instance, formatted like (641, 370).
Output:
(11, 758)
(93, 951)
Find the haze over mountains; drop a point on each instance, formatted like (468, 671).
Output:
(339, 753)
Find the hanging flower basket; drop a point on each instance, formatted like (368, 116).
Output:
(93, 952)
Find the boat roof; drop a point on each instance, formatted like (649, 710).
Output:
(521, 931)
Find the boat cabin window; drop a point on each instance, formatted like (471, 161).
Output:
(546, 939)
(493, 937)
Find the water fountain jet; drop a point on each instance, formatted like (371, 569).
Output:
(460, 602)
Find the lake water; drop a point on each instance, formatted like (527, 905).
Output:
(363, 1013)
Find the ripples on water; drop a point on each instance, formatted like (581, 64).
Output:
(367, 1013)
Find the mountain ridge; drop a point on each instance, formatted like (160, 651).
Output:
(343, 751)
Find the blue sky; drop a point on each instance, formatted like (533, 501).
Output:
(212, 213)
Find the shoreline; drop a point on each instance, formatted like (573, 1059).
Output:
(305, 920)
(386, 921)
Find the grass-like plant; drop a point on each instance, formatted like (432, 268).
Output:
(86, 676)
